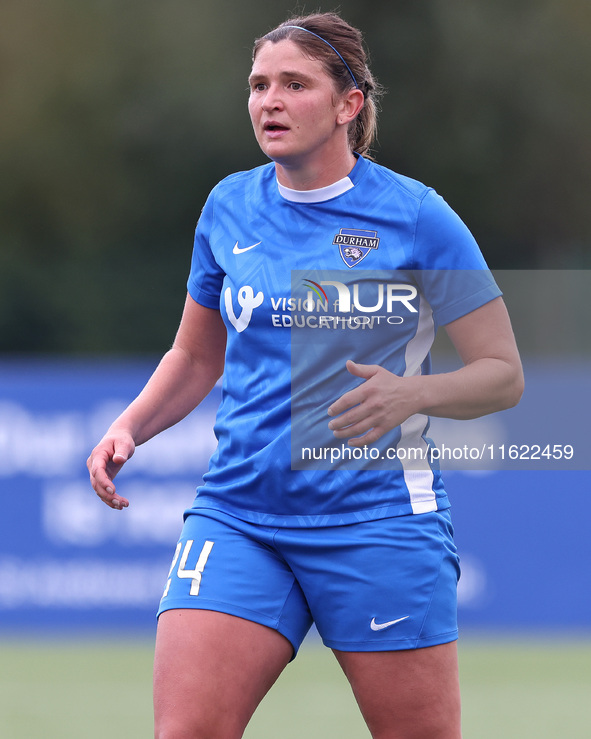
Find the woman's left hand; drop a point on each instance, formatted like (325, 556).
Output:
(367, 412)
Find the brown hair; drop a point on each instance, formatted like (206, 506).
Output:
(348, 43)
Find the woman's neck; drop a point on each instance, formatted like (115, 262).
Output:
(314, 176)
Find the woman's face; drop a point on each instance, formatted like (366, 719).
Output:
(298, 117)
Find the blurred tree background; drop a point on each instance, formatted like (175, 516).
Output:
(119, 116)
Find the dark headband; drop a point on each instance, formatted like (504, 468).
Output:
(301, 28)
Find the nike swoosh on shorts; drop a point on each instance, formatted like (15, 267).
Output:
(378, 627)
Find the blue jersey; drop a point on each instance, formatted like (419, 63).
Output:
(365, 269)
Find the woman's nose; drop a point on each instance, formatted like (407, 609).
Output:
(272, 100)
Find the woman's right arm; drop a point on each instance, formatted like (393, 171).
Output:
(184, 377)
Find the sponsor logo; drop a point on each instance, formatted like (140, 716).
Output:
(247, 300)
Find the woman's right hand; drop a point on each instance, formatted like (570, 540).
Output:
(105, 461)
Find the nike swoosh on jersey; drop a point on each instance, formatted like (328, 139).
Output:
(378, 627)
(238, 250)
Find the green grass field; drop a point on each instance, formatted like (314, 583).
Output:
(511, 690)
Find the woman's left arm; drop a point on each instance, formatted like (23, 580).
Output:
(490, 380)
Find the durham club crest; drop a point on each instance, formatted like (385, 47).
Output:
(355, 244)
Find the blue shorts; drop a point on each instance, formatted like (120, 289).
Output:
(372, 586)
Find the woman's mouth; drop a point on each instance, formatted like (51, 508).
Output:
(274, 129)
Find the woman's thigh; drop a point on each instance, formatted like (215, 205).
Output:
(211, 670)
(409, 694)
(231, 617)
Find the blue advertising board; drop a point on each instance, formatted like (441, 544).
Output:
(68, 563)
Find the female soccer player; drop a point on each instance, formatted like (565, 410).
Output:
(316, 285)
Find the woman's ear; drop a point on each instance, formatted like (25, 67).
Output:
(351, 104)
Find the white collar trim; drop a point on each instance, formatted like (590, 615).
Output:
(316, 196)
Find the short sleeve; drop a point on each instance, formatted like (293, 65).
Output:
(206, 276)
(451, 271)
